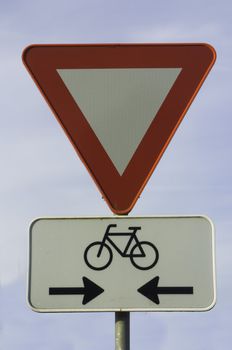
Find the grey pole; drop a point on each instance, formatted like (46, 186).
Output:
(122, 331)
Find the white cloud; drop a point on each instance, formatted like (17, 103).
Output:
(176, 32)
(46, 331)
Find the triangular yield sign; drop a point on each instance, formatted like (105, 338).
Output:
(120, 105)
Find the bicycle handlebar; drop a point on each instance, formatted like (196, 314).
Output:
(134, 228)
(129, 228)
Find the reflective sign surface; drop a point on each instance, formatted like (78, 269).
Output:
(122, 264)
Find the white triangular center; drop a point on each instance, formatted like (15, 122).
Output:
(119, 104)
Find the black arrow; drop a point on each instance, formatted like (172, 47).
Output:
(151, 290)
(90, 290)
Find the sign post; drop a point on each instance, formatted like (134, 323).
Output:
(122, 331)
(120, 105)
(122, 264)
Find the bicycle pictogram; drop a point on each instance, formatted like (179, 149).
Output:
(143, 254)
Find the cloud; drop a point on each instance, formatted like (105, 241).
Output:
(176, 32)
(96, 331)
(46, 331)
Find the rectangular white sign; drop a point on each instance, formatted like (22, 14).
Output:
(122, 264)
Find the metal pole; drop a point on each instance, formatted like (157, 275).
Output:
(122, 331)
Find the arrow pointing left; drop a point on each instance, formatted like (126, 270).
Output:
(151, 290)
(90, 290)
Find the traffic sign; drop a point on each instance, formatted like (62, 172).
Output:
(120, 105)
(122, 264)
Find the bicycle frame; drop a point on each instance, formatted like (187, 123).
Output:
(132, 236)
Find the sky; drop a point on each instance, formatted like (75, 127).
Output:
(42, 176)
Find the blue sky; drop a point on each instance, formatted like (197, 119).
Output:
(42, 176)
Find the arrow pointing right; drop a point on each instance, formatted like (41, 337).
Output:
(90, 290)
(151, 290)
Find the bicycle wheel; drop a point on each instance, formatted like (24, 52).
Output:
(95, 262)
(144, 262)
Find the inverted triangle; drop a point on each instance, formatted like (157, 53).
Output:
(122, 178)
(119, 103)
